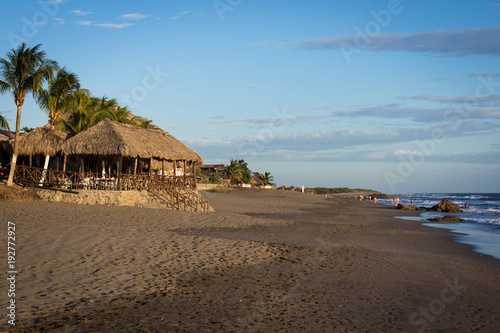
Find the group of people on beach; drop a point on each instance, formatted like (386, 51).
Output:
(395, 201)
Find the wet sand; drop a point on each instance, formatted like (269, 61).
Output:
(265, 261)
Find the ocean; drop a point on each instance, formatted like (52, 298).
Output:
(482, 229)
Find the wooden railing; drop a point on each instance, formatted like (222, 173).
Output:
(180, 198)
(96, 181)
(175, 192)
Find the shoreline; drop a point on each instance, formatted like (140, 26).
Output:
(263, 261)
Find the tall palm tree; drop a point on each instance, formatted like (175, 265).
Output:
(4, 124)
(61, 92)
(24, 70)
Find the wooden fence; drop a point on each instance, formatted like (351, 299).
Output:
(175, 192)
(96, 181)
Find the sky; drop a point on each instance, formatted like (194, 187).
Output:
(395, 96)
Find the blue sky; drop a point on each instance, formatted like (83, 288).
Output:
(397, 96)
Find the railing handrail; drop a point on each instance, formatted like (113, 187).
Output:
(180, 188)
(97, 180)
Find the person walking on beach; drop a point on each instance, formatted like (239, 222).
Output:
(466, 206)
(412, 201)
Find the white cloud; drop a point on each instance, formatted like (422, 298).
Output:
(84, 22)
(379, 155)
(134, 16)
(424, 115)
(478, 74)
(471, 100)
(458, 42)
(59, 20)
(80, 12)
(437, 80)
(112, 25)
(186, 12)
(405, 152)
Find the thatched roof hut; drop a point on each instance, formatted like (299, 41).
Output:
(42, 140)
(113, 138)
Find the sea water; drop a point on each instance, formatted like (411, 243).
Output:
(482, 226)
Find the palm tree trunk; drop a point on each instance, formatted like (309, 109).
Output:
(13, 162)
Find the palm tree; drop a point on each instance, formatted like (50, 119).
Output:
(4, 124)
(23, 71)
(75, 115)
(235, 171)
(85, 112)
(247, 174)
(122, 115)
(62, 91)
(267, 179)
(140, 122)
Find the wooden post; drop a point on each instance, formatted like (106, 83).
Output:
(64, 163)
(175, 168)
(150, 166)
(185, 173)
(31, 160)
(57, 163)
(195, 164)
(119, 171)
(162, 168)
(135, 166)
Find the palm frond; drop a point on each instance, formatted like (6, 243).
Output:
(4, 124)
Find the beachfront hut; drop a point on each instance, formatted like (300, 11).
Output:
(43, 141)
(114, 147)
(5, 136)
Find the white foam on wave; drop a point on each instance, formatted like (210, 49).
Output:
(484, 220)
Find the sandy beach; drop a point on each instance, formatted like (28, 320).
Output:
(264, 261)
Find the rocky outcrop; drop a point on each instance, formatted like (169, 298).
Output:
(406, 207)
(379, 196)
(447, 218)
(446, 206)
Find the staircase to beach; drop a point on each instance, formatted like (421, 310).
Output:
(179, 198)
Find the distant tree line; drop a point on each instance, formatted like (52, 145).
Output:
(238, 172)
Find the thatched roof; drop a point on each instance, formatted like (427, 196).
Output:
(6, 135)
(113, 138)
(42, 140)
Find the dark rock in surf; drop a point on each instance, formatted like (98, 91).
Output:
(447, 218)
(446, 206)
(406, 207)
